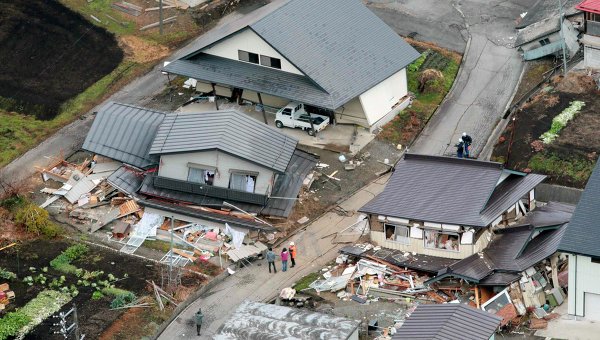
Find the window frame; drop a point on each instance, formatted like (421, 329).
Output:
(441, 232)
(545, 41)
(203, 173)
(267, 61)
(242, 53)
(405, 239)
(254, 175)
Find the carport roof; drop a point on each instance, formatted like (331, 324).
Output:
(340, 45)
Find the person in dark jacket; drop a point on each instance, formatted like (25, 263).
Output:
(271, 259)
(199, 317)
(460, 148)
(467, 140)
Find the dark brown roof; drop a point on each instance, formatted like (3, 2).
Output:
(448, 321)
(450, 190)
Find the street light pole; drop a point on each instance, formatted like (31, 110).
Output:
(160, 16)
(562, 37)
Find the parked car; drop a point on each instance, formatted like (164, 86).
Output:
(295, 115)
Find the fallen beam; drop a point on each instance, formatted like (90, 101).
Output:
(156, 24)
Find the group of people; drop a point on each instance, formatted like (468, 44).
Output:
(463, 147)
(285, 255)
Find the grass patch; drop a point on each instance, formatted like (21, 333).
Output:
(575, 169)
(304, 282)
(164, 246)
(62, 262)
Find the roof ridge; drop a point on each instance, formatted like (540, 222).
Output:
(113, 103)
(469, 161)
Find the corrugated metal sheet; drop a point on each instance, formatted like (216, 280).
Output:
(589, 6)
(255, 320)
(339, 44)
(213, 69)
(583, 231)
(205, 215)
(288, 185)
(126, 180)
(228, 130)
(550, 214)
(124, 132)
(448, 321)
(426, 263)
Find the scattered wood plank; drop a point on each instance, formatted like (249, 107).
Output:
(180, 252)
(156, 24)
(176, 3)
(127, 8)
(158, 298)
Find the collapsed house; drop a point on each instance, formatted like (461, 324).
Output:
(334, 55)
(446, 207)
(207, 173)
(255, 320)
(581, 243)
(448, 321)
(542, 30)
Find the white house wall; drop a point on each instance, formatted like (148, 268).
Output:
(583, 278)
(267, 99)
(351, 113)
(591, 51)
(247, 40)
(381, 98)
(176, 166)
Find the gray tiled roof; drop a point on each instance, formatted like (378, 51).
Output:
(229, 131)
(209, 68)
(537, 31)
(546, 8)
(124, 132)
(448, 321)
(421, 262)
(448, 190)
(550, 214)
(583, 231)
(340, 45)
(126, 179)
(288, 185)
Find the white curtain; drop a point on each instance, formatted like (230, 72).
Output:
(196, 175)
(238, 182)
(237, 235)
(249, 184)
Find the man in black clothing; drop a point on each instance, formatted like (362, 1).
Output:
(467, 140)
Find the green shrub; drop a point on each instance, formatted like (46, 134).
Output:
(7, 274)
(36, 220)
(97, 295)
(62, 262)
(122, 300)
(11, 323)
(13, 202)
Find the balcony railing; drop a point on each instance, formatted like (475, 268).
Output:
(208, 190)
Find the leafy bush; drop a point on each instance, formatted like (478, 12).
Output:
(97, 295)
(7, 274)
(36, 220)
(575, 169)
(41, 307)
(11, 323)
(13, 202)
(416, 65)
(122, 300)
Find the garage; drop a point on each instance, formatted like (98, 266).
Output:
(592, 306)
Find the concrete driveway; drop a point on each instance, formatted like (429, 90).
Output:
(488, 76)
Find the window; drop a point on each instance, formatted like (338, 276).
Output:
(242, 182)
(202, 176)
(544, 41)
(248, 56)
(397, 233)
(287, 111)
(270, 62)
(441, 240)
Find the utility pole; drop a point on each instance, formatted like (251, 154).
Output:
(160, 16)
(562, 37)
(65, 328)
(172, 254)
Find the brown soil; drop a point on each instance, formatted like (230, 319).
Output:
(49, 54)
(423, 45)
(140, 50)
(532, 76)
(136, 321)
(575, 82)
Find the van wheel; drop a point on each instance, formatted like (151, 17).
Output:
(278, 124)
(311, 132)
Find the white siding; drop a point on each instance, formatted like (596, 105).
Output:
(583, 278)
(381, 98)
(268, 100)
(176, 166)
(351, 113)
(532, 45)
(247, 40)
(591, 51)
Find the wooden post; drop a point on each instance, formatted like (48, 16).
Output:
(554, 266)
(477, 296)
(215, 94)
(262, 108)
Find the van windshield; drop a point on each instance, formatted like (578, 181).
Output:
(287, 112)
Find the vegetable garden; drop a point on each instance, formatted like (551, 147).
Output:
(51, 276)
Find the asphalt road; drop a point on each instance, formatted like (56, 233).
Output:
(486, 81)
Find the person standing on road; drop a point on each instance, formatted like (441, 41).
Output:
(467, 140)
(284, 258)
(271, 259)
(460, 148)
(199, 317)
(293, 254)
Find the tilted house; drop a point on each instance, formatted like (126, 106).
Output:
(178, 162)
(335, 55)
(445, 207)
(582, 242)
